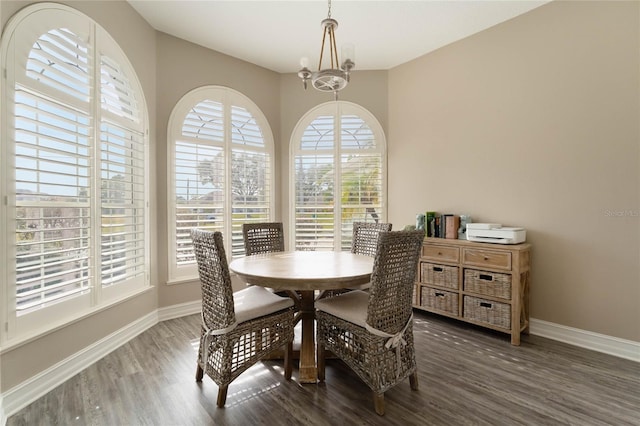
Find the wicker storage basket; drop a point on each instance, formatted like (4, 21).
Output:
(416, 295)
(440, 300)
(487, 311)
(487, 283)
(440, 275)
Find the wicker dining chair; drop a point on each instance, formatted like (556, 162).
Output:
(372, 332)
(238, 329)
(365, 241)
(263, 237)
(365, 237)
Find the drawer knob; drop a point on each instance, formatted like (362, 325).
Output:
(439, 253)
(486, 258)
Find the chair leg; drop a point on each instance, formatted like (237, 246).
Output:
(222, 395)
(321, 355)
(288, 356)
(413, 381)
(378, 403)
(199, 373)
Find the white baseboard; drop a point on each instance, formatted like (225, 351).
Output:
(180, 310)
(35, 387)
(621, 348)
(3, 417)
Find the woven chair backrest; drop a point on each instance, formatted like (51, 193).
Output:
(217, 292)
(392, 280)
(365, 237)
(262, 237)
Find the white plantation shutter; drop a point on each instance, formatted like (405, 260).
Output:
(116, 93)
(122, 199)
(60, 59)
(198, 177)
(52, 230)
(122, 175)
(338, 168)
(250, 175)
(220, 150)
(77, 205)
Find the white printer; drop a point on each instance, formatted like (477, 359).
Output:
(495, 233)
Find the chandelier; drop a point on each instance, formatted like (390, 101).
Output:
(331, 79)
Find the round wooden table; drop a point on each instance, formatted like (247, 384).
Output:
(301, 273)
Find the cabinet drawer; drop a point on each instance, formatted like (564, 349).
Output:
(487, 258)
(440, 275)
(440, 300)
(441, 253)
(487, 283)
(487, 311)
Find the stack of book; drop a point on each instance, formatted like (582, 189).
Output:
(442, 225)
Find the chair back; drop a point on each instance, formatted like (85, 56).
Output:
(262, 237)
(365, 237)
(217, 292)
(393, 279)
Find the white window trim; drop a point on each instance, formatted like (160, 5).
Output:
(46, 320)
(228, 96)
(336, 109)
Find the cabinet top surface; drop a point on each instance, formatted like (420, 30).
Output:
(465, 243)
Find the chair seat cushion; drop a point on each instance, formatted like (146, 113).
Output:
(255, 301)
(351, 306)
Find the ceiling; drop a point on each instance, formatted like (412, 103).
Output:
(276, 34)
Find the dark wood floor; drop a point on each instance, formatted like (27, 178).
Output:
(467, 376)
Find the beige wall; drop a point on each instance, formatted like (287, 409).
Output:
(535, 123)
(137, 39)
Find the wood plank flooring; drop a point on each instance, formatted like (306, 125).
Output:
(467, 376)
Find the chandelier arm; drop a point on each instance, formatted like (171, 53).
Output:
(324, 34)
(335, 51)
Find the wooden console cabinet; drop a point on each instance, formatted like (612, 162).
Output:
(480, 283)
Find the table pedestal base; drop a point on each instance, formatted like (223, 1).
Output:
(308, 371)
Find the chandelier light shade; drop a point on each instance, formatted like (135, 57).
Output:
(336, 77)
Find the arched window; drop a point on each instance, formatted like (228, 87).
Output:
(74, 161)
(220, 151)
(338, 175)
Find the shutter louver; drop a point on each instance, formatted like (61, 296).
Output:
(59, 59)
(122, 204)
(314, 202)
(361, 176)
(116, 93)
(244, 129)
(199, 179)
(250, 176)
(319, 135)
(204, 122)
(52, 172)
(199, 176)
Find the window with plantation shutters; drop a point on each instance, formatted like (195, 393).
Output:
(221, 152)
(338, 170)
(74, 160)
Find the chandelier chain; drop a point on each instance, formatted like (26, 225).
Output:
(329, 14)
